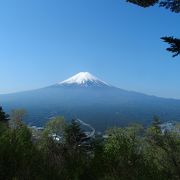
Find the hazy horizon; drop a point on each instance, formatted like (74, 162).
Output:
(95, 77)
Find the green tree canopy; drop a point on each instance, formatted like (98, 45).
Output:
(3, 116)
(55, 126)
(4, 119)
(16, 117)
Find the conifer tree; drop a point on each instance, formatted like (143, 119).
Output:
(3, 115)
(172, 5)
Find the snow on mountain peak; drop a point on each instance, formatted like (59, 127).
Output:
(84, 79)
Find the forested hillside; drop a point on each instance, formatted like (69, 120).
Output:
(64, 151)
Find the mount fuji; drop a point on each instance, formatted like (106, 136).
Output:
(84, 79)
(92, 100)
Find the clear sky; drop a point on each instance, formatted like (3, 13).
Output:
(46, 41)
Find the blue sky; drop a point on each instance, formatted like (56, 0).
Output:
(46, 41)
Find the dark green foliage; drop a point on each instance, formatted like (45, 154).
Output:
(173, 5)
(156, 125)
(123, 152)
(163, 151)
(144, 3)
(174, 44)
(3, 116)
(19, 158)
(171, 147)
(76, 149)
(54, 159)
(74, 136)
(68, 157)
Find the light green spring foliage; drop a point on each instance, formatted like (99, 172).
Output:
(16, 117)
(163, 151)
(123, 152)
(55, 126)
(177, 127)
(18, 114)
(123, 139)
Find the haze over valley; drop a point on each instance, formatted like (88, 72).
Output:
(92, 100)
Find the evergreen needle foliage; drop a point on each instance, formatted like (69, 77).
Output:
(174, 45)
(174, 6)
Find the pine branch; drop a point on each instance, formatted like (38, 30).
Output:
(173, 5)
(143, 3)
(174, 45)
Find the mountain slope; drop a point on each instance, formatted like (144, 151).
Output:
(86, 97)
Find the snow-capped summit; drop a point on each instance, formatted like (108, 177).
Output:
(84, 79)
